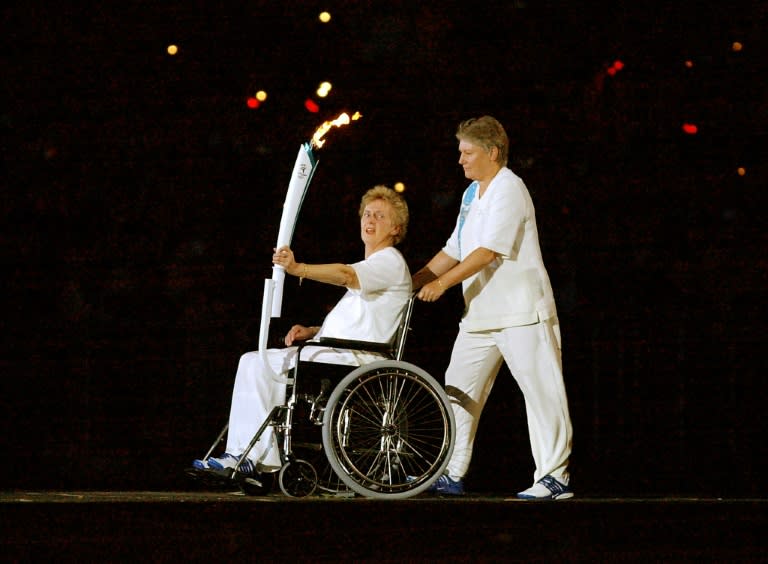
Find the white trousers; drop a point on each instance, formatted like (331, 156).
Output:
(255, 394)
(532, 353)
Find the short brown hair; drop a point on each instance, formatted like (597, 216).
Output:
(486, 132)
(399, 207)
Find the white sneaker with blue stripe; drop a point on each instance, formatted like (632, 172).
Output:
(228, 461)
(548, 488)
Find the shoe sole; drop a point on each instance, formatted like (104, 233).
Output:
(562, 496)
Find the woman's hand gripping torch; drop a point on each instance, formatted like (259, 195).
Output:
(303, 170)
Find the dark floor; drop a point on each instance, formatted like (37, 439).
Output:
(221, 526)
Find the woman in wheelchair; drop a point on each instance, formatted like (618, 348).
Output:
(378, 288)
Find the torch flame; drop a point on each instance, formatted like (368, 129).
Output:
(343, 119)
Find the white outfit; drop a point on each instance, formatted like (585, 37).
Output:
(510, 315)
(370, 313)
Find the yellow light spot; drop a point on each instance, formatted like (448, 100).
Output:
(172, 49)
(399, 187)
(324, 89)
(324, 17)
(261, 95)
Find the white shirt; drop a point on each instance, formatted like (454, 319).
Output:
(372, 312)
(514, 289)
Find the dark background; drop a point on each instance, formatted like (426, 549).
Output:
(142, 198)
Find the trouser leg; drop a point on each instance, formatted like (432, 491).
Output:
(532, 353)
(253, 396)
(474, 364)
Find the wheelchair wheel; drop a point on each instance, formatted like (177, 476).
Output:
(298, 478)
(388, 430)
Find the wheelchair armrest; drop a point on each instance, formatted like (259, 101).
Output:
(369, 346)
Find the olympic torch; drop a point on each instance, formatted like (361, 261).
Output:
(303, 170)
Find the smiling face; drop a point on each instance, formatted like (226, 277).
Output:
(377, 228)
(478, 163)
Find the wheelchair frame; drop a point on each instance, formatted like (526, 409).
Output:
(387, 428)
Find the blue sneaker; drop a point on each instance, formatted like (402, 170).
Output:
(446, 485)
(548, 488)
(200, 464)
(228, 461)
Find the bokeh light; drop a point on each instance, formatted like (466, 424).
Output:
(615, 67)
(324, 17)
(324, 89)
(172, 49)
(311, 105)
(399, 187)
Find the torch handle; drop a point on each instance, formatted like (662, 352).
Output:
(278, 278)
(266, 307)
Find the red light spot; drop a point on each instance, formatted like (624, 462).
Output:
(611, 71)
(253, 103)
(690, 128)
(311, 105)
(618, 65)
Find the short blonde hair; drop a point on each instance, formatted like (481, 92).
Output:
(396, 201)
(486, 132)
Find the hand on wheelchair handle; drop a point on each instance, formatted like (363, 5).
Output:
(431, 292)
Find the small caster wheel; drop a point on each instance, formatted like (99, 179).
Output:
(298, 478)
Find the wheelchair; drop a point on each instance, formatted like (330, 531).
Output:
(385, 430)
